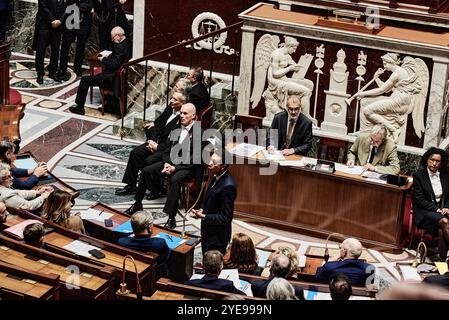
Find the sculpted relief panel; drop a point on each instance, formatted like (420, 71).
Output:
(343, 94)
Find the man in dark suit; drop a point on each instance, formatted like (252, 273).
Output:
(348, 263)
(280, 268)
(199, 95)
(109, 14)
(121, 53)
(142, 224)
(47, 31)
(79, 31)
(294, 130)
(178, 162)
(157, 134)
(212, 265)
(439, 280)
(218, 206)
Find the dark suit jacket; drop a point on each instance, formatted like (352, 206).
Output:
(47, 12)
(355, 269)
(161, 130)
(259, 289)
(199, 96)
(301, 140)
(213, 283)
(85, 9)
(423, 198)
(218, 206)
(441, 280)
(149, 244)
(121, 53)
(20, 184)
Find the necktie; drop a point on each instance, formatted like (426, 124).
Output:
(371, 155)
(288, 139)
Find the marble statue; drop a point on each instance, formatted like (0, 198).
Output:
(273, 62)
(408, 85)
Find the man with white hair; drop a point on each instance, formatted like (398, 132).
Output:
(375, 152)
(142, 225)
(357, 270)
(121, 53)
(280, 289)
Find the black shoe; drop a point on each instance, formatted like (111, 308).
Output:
(62, 77)
(171, 223)
(77, 110)
(126, 190)
(153, 196)
(40, 79)
(54, 76)
(79, 72)
(133, 209)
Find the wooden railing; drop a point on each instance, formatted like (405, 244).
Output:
(167, 55)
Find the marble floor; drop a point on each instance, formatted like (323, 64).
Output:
(85, 152)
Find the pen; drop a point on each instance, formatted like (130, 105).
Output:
(169, 237)
(100, 212)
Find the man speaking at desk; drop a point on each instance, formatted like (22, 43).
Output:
(294, 130)
(375, 152)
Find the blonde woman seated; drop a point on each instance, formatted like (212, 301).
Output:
(57, 210)
(242, 255)
(20, 199)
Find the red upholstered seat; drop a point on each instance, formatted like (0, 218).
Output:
(15, 97)
(98, 70)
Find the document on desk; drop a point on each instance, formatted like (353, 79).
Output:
(233, 275)
(105, 53)
(275, 156)
(376, 180)
(16, 231)
(94, 214)
(246, 149)
(263, 257)
(25, 163)
(80, 248)
(298, 163)
(409, 273)
(442, 267)
(356, 170)
(172, 241)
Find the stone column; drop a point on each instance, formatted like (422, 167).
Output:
(436, 101)
(138, 28)
(246, 69)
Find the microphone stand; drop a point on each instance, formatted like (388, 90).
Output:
(326, 250)
(123, 291)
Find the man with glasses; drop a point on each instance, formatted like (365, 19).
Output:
(121, 53)
(375, 152)
(294, 130)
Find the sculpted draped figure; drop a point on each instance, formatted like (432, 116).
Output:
(408, 85)
(274, 62)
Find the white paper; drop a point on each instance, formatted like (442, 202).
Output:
(356, 170)
(315, 295)
(105, 53)
(292, 163)
(246, 150)
(233, 275)
(302, 261)
(376, 180)
(80, 248)
(372, 174)
(93, 214)
(409, 273)
(263, 257)
(275, 156)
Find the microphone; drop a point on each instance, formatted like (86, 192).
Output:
(123, 291)
(326, 249)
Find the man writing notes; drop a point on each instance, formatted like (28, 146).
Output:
(294, 130)
(375, 152)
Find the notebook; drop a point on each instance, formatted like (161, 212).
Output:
(171, 240)
(16, 231)
(124, 227)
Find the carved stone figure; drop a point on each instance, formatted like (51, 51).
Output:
(408, 85)
(273, 62)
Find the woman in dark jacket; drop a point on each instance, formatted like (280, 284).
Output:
(430, 197)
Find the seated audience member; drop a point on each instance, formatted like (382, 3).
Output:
(3, 212)
(212, 265)
(242, 255)
(280, 289)
(7, 157)
(280, 268)
(57, 210)
(340, 287)
(430, 197)
(33, 234)
(375, 152)
(142, 224)
(294, 135)
(348, 263)
(413, 291)
(20, 199)
(198, 95)
(292, 256)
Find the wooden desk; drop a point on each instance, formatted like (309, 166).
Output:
(59, 237)
(94, 282)
(17, 283)
(181, 259)
(55, 182)
(318, 203)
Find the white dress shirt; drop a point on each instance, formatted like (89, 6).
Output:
(184, 132)
(436, 184)
(172, 116)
